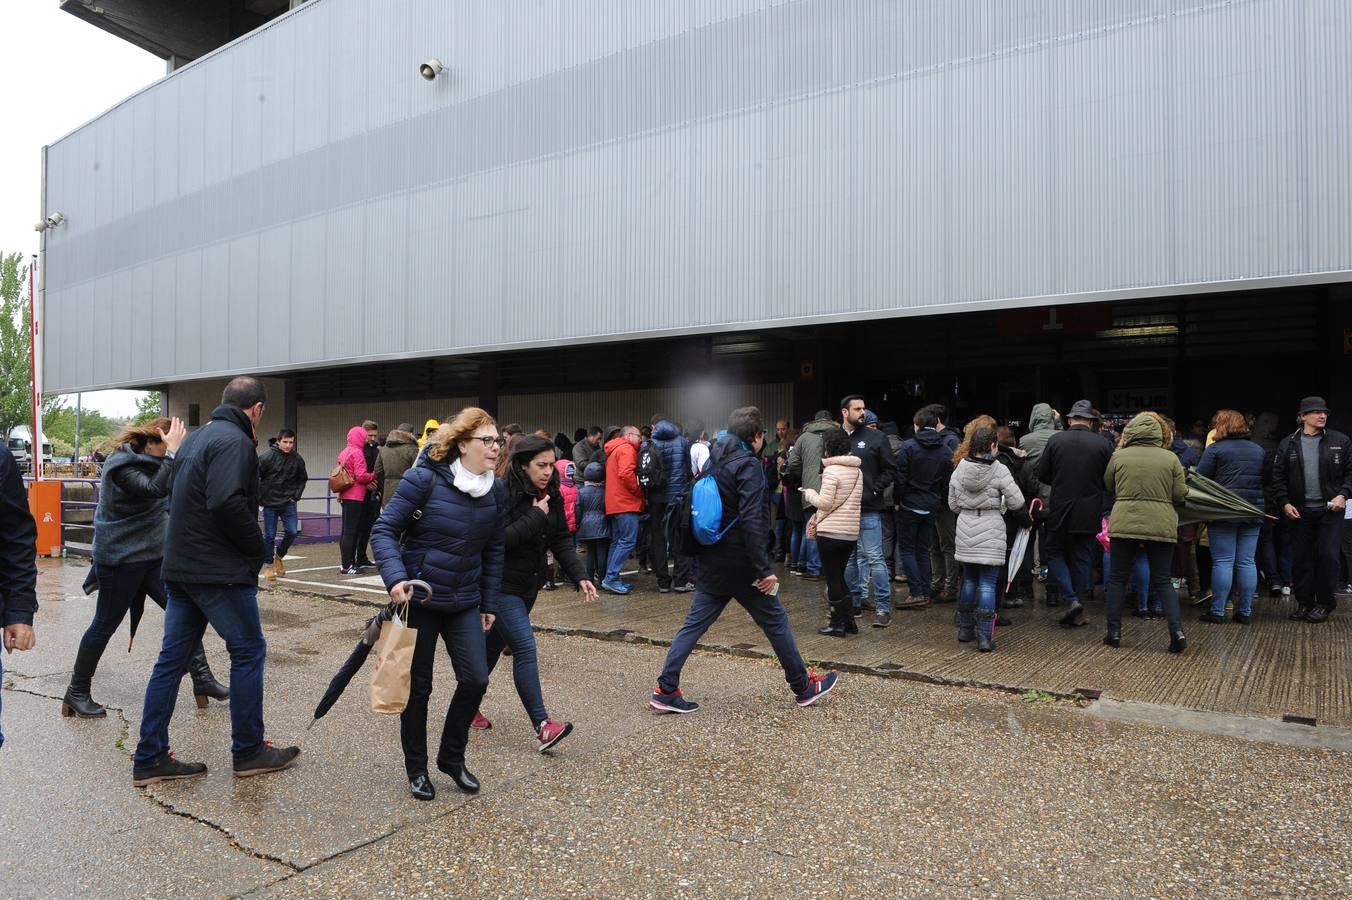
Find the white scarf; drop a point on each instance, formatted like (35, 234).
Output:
(474, 485)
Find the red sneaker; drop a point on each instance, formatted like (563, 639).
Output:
(551, 733)
(480, 722)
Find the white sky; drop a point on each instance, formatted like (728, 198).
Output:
(56, 73)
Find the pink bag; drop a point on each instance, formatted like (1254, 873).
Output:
(1102, 536)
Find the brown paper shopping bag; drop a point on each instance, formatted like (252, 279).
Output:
(394, 662)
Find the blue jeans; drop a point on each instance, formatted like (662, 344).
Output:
(1159, 557)
(623, 537)
(1233, 548)
(868, 560)
(976, 599)
(512, 629)
(231, 609)
(797, 533)
(914, 534)
(1070, 563)
(1140, 579)
(767, 612)
(287, 513)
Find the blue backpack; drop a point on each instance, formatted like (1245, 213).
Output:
(706, 510)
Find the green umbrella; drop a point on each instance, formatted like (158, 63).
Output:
(1209, 502)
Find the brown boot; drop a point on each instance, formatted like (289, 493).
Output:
(279, 568)
(270, 573)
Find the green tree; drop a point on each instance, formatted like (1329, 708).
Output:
(16, 361)
(147, 408)
(58, 424)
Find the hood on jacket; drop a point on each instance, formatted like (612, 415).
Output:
(356, 437)
(1041, 418)
(928, 437)
(594, 472)
(399, 438)
(432, 424)
(848, 460)
(1143, 431)
(726, 447)
(665, 431)
(819, 426)
(566, 471)
(889, 429)
(974, 474)
(615, 443)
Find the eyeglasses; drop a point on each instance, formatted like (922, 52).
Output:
(490, 441)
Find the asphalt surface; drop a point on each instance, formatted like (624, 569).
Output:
(887, 787)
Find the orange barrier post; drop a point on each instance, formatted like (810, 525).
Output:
(44, 502)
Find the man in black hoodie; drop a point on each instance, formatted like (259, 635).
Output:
(211, 560)
(879, 469)
(281, 482)
(18, 571)
(923, 466)
(946, 577)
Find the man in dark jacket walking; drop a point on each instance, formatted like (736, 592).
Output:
(923, 466)
(211, 559)
(1312, 479)
(1072, 465)
(879, 469)
(738, 567)
(675, 451)
(18, 571)
(281, 483)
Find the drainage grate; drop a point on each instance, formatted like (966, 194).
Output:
(1088, 693)
(890, 667)
(1299, 720)
(619, 632)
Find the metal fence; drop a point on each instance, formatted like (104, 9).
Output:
(319, 522)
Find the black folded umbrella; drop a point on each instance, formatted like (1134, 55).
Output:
(370, 634)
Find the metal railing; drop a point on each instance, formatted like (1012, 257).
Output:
(318, 522)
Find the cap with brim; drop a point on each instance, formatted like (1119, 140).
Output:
(1313, 404)
(1083, 409)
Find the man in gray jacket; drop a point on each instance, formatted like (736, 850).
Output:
(805, 471)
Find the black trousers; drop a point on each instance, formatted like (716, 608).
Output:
(354, 513)
(1318, 537)
(659, 550)
(835, 556)
(463, 634)
(370, 512)
(1160, 555)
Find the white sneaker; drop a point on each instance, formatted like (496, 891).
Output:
(1286, 592)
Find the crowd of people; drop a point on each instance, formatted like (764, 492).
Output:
(487, 517)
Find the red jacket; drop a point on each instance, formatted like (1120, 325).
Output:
(623, 495)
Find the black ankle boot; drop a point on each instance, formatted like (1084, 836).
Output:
(204, 685)
(77, 701)
(985, 631)
(1178, 642)
(1113, 638)
(835, 627)
(463, 778)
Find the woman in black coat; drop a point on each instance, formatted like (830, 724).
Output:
(129, 530)
(536, 524)
(448, 510)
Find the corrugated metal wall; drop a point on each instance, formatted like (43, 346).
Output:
(608, 167)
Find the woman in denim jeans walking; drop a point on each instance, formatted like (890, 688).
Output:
(1235, 462)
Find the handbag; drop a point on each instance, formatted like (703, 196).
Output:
(391, 680)
(340, 479)
(811, 527)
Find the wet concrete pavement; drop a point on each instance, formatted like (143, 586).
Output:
(888, 787)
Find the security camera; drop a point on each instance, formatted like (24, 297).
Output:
(431, 69)
(51, 221)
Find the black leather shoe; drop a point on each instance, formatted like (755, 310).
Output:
(1243, 619)
(1178, 642)
(1212, 618)
(851, 626)
(1113, 638)
(1317, 615)
(1301, 614)
(832, 629)
(421, 788)
(463, 778)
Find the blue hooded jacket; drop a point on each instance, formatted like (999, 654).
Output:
(675, 450)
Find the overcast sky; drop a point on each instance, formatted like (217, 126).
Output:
(56, 73)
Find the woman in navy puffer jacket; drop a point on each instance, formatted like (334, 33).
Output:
(449, 509)
(1236, 463)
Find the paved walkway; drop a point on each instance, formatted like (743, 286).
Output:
(1272, 668)
(889, 787)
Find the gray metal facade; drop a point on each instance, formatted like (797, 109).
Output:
(606, 168)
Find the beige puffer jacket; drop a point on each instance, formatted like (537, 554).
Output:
(838, 502)
(980, 492)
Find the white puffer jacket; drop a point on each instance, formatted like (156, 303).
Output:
(980, 492)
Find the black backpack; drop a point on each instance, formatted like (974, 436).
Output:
(651, 470)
